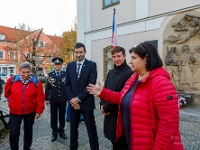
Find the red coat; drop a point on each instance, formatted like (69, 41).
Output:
(24, 99)
(154, 112)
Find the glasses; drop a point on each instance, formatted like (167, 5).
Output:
(141, 47)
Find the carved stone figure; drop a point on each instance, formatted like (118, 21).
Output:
(186, 28)
(173, 62)
(196, 66)
(186, 72)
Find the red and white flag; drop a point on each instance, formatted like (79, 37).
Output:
(114, 31)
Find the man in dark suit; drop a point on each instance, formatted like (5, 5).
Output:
(115, 80)
(78, 75)
(56, 97)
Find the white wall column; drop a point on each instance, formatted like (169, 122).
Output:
(84, 24)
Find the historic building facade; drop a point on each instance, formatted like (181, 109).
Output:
(17, 46)
(172, 26)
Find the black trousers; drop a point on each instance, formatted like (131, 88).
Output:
(58, 108)
(121, 144)
(90, 125)
(15, 123)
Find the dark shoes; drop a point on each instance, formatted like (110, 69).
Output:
(54, 137)
(63, 135)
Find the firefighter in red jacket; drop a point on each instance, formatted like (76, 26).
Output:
(26, 102)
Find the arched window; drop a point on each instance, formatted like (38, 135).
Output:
(108, 63)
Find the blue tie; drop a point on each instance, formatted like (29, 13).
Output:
(58, 75)
(78, 70)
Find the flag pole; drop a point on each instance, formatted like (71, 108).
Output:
(114, 30)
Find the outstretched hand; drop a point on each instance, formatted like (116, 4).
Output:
(93, 89)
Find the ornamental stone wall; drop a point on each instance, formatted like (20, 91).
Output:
(181, 53)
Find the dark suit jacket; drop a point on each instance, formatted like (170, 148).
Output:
(55, 92)
(78, 89)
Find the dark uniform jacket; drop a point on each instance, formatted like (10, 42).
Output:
(115, 80)
(55, 89)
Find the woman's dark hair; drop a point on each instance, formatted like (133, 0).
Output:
(147, 50)
(78, 45)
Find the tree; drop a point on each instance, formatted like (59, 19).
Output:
(68, 42)
(29, 47)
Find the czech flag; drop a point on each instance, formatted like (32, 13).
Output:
(114, 31)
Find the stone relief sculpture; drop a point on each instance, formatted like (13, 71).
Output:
(186, 60)
(187, 27)
(173, 62)
(196, 66)
(181, 51)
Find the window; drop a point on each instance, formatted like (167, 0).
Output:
(50, 58)
(107, 3)
(2, 37)
(41, 43)
(11, 70)
(28, 56)
(11, 55)
(40, 56)
(1, 54)
(108, 63)
(154, 43)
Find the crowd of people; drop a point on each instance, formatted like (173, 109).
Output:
(139, 102)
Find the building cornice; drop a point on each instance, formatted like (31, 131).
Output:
(145, 19)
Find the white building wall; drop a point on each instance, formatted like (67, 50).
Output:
(137, 21)
(84, 24)
(142, 9)
(157, 7)
(101, 18)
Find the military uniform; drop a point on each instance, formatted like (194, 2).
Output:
(55, 93)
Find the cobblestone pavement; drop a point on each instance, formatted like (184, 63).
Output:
(190, 132)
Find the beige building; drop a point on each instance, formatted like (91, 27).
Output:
(137, 21)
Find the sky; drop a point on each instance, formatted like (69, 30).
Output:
(54, 16)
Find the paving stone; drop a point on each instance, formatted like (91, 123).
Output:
(190, 133)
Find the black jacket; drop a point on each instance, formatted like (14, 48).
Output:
(55, 89)
(115, 81)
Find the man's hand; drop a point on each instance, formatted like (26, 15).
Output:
(74, 101)
(47, 102)
(37, 116)
(77, 107)
(102, 111)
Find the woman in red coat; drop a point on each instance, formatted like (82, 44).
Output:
(148, 104)
(26, 102)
